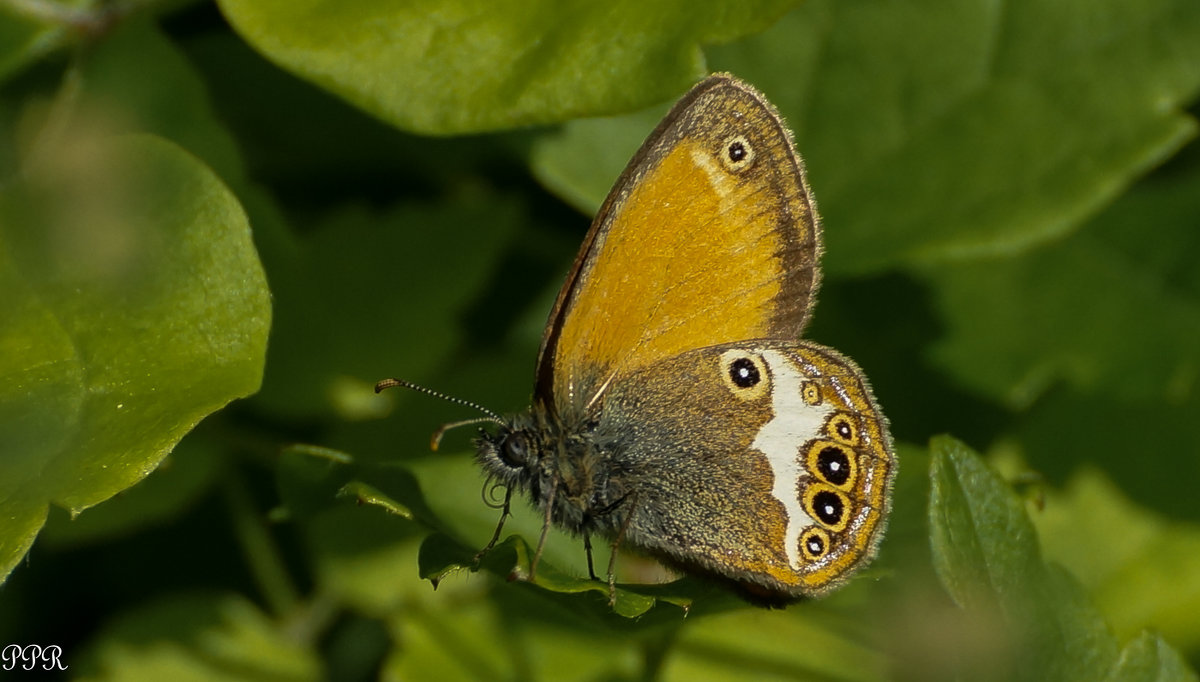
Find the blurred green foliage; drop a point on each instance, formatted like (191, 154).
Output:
(1011, 198)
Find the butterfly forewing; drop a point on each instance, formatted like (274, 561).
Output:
(710, 236)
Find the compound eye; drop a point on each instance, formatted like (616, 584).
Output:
(514, 450)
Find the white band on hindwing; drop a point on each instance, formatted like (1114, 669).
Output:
(793, 423)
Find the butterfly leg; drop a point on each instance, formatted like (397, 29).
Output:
(537, 555)
(504, 514)
(612, 559)
(612, 577)
(587, 547)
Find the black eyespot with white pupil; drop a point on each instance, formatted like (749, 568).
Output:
(833, 465)
(743, 373)
(828, 507)
(815, 545)
(737, 151)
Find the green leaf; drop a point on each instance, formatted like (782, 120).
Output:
(943, 136)
(168, 98)
(746, 644)
(1142, 569)
(23, 39)
(190, 471)
(441, 67)
(198, 637)
(135, 306)
(1095, 334)
(986, 555)
(522, 634)
(512, 560)
(1079, 310)
(1149, 659)
(980, 131)
(338, 328)
(326, 492)
(984, 546)
(442, 556)
(368, 494)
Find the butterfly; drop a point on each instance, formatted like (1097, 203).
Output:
(676, 410)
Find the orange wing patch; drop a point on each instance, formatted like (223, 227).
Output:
(708, 238)
(672, 276)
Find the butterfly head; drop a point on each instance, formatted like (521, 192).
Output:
(513, 452)
(559, 467)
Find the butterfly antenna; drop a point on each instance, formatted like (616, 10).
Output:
(436, 438)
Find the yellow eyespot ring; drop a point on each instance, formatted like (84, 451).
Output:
(814, 543)
(745, 374)
(842, 427)
(832, 463)
(828, 506)
(736, 153)
(810, 392)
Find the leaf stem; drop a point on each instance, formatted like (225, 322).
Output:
(262, 555)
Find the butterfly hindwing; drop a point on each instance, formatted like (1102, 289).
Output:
(767, 462)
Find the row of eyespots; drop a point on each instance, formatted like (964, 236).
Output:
(833, 465)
